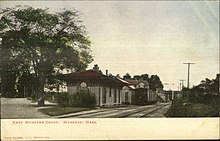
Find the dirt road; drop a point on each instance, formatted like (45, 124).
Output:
(19, 108)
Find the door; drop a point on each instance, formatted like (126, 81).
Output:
(126, 96)
(104, 95)
(115, 96)
(119, 98)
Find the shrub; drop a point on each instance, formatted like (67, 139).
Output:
(182, 108)
(63, 99)
(83, 99)
(53, 96)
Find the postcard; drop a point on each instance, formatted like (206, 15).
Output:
(109, 70)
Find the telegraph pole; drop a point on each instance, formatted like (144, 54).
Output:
(181, 84)
(172, 93)
(188, 73)
(181, 87)
(188, 78)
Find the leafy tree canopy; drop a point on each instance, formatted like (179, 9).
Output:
(42, 42)
(127, 76)
(154, 80)
(208, 86)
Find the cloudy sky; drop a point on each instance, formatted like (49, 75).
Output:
(154, 37)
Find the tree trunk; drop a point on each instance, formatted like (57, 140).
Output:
(40, 91)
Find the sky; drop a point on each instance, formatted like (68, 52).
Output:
(153, 37)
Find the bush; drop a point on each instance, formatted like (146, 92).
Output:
(83, 99)
(182, 108)
(52, 96)
(63, 99)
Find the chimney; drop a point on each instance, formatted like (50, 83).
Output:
(106, 72)
(96, 67)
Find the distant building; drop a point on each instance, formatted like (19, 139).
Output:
(137, 92)
(139, 83)
(128, 95)
(161, 97)
(171, 95)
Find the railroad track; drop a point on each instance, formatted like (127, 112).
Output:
(81, 113)
(139, 112)
(144, 112)
(154, 111)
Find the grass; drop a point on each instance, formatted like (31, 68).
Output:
(180, 108)
(201, 110)
(56, 111)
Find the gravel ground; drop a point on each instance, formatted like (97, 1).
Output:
(21, 108)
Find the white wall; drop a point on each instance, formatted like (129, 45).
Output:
(110, 98)
(72, 89)
(129, 91)
(96, 89)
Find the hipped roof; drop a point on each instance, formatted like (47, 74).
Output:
(92, 75)
(85, 74)
(136, 82)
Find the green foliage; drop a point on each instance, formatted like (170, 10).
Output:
(154, 80)
(41, 43)
(204, 100)
(53, 96)
(27, 83)
(127, 76)
(63, 99)
(54, 82)
(83, 99)
(8, 83)
(35, 36)
(137, 77)
(181, 108)
(206, 92)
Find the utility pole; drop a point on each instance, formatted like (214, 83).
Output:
(181, 84)
(172, 93)
(188, 78)
(188, 73)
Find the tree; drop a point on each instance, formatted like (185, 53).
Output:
(141, 77)
(27, 85)
(206, 92)
(145, 77)
(215, 87)
(9, 72)
(8, 83)
(137, 77)
(127, 76)
(154, 82)
(44, 43)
